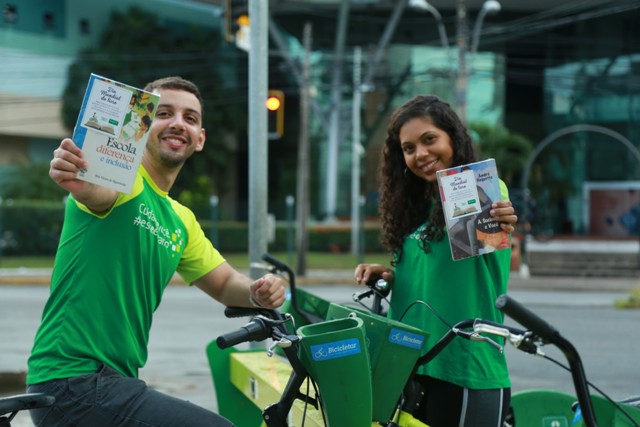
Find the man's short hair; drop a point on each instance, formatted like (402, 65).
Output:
(176, 83)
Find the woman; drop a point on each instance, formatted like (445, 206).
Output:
(468, 383)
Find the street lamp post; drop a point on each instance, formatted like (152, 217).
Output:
(489, 7)
(426, 7)
(464, 67)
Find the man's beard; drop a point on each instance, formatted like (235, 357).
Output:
(172, 161)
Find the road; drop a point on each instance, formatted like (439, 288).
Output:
(608, 339)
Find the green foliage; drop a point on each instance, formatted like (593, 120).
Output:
(233, 237)
(32, 182)
(196, 195)
(30, 227)
(510, 150)
(136, 48)
(633, 301)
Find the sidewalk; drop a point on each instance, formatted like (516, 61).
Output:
(23, 276)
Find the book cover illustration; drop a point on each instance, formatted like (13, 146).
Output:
(467, 193)
(112, 130)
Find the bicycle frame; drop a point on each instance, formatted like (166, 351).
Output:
(239, 376)
(239, 380)
(556, 403)
(257, 380)
(11, 405)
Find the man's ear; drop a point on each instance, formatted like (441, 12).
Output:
(203, 137)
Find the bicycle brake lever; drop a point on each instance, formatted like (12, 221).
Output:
(491, 329)
(526, 344)
(477, 337)
(357, 296)
(283, 342)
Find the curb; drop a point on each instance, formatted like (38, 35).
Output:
(41, 277)
(21, 276)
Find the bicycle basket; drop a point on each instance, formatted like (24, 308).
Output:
(394, 348)
(335, 355)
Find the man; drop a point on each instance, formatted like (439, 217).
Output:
(117, 254)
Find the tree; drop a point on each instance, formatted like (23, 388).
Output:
(135, 48)
(510, 150)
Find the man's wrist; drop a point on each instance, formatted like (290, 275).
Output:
(253, 302)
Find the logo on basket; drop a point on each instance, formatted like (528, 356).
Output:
(407, 339)
(335, 349)
(557, 421)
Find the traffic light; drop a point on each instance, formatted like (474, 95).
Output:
(236, 14)
(275, 112)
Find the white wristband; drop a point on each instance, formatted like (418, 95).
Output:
(254, 302)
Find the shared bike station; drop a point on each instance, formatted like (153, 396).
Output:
(327, 364)
(331, 365)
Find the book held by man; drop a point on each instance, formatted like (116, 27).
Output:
(467, 193)
(112, 130)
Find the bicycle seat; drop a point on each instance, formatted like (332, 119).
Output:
(20, 402)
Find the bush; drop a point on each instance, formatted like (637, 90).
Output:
(633, 301)
(233, 237)
(32, 228)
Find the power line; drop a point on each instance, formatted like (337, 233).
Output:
(539, 22)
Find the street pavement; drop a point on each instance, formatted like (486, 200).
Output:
(581, 308)
(519, 280)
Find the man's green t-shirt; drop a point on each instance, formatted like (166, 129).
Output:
(457, 290)
(108, 279)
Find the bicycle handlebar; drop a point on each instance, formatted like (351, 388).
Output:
(527, 318)
(256, 330)
(269, 324)
(279, 266)
(276, 262)
(14, 404)
(550, 334)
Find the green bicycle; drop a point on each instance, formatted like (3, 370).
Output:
(337, 365)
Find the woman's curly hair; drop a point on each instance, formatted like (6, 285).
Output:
(406, 201)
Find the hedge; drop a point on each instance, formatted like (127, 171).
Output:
(32, 228)
(233, 237)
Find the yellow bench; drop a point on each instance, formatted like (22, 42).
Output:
(262, 380)
(253, 376)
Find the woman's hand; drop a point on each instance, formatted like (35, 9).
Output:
(366, 273)
(504, 212)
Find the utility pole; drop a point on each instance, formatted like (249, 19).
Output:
(462, 39)
(331, 191)
(356, 152)
(374, 60)
(462, 32)
(302, 190)
(283, 50)
(258, 140)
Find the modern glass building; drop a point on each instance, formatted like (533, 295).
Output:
(564, 74)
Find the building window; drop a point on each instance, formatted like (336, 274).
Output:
(10, 13)
(48, 21)
(84, 26)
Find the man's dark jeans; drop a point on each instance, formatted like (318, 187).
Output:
(109, 399)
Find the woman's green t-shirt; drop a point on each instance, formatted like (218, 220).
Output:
(456, 290)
